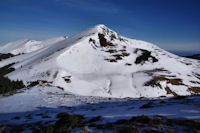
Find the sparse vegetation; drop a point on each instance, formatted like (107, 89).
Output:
(60, 88)
(111, 51)
(157, 70)
(118, 56)
(33, 83)
(104, 42)
(146, 55)
(92, 41)
(128, 64)
(67, 79)
(169, 91)
(112, 37)
(65, 124)
(125, 54)
(5, 56)
(195, 82)
(195, 90)
(55, 74)
(121, 39)
(111, 60)
(156, 81)
(196, 75)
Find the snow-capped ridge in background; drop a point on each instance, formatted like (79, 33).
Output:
(27, 46)
(100, 62)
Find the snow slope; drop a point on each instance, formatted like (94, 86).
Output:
(27, 46)
(100, 62)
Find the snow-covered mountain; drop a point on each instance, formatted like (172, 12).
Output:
(100, 62)
(27, 46)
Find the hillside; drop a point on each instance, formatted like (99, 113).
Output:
(100, 62)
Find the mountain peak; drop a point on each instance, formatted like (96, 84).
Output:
(100, 62)
(100, 26)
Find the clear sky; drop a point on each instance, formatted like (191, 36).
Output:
(170, 24)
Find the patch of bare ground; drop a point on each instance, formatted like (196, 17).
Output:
(157, 70)
(111, 60)
(196, 75)
(109, 47)
(195, 82)
(6, 56)
(156, 81)
(195, 90)
(39, 82)
(145, 56)
(93, 43)
(170, 91)
(55, 74)
(91, 40)
(117, 55)
(104, 42)
(61, 88)
(111, 51)
(128, 64)
(112, 37)
(67, 79)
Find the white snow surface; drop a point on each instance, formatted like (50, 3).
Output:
(82, 66)
(27, 46)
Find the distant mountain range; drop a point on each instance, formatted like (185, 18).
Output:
(100, 62)
(195, 56)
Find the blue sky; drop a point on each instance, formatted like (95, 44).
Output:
(170, 24)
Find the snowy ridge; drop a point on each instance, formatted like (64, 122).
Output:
(27, 46)
(100, 62)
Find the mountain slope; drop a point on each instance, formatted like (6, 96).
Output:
(27, 46)
(100, 62)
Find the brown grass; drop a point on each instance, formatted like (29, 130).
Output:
(170, 91)
(156, 81)
(194, 89)
(60, 88)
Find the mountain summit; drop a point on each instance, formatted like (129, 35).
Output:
(100, 62)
